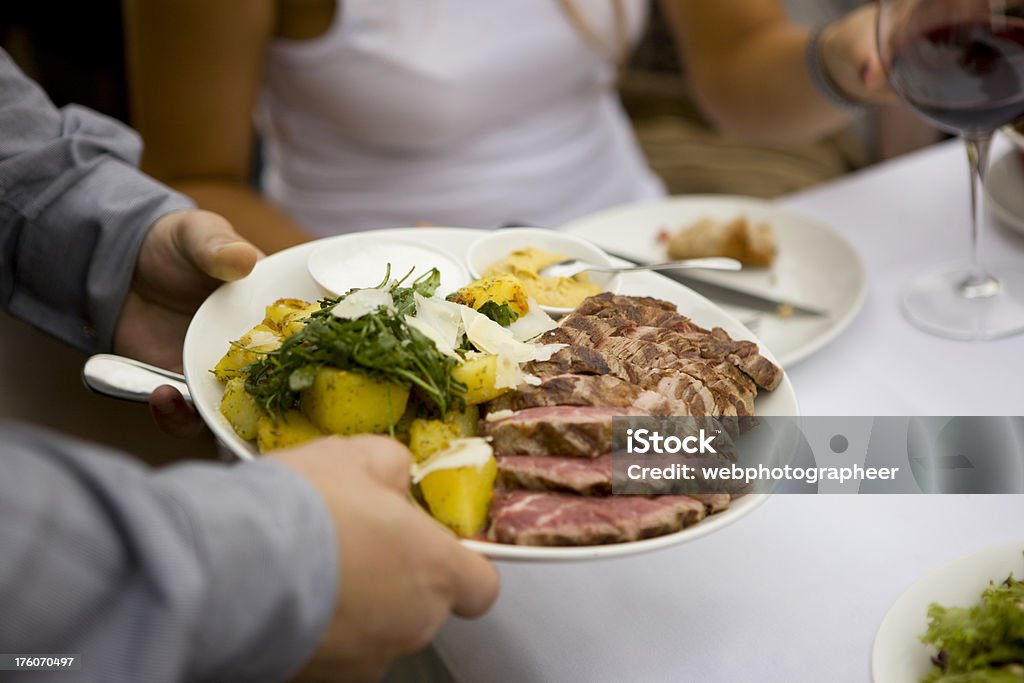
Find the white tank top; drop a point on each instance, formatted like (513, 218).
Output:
(470, 113)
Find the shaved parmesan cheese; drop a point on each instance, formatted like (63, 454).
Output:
(433, 334)
(506, 373)
(499, 415)
(490, 337)
(471, 452)
(444, 316)
(363, 302)
(535, 323)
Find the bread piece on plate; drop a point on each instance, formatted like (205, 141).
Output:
(750, 243)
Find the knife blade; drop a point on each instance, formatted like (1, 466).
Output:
(726, 294)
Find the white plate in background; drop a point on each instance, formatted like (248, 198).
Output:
(898, 656)
(237, 306)
(815, 265)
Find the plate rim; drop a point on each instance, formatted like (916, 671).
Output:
(839, 323)
(909, 595)
(498, 551)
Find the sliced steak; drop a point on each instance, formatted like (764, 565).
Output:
(658, 322)
(583, 390)
(637, 310)
(730, 392)
(556, 519)
(717, 345)
(552, 473)
(576, 431)
(645, 376)
(579, 360)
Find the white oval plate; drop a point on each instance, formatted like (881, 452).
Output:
(237, 306)
(898, 656)
(815, 265)
(1004, 186)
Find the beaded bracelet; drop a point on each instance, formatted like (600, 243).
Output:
(820, 77)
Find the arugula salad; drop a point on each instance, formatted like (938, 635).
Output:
(979, 644)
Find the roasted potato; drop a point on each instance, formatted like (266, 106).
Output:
(285, 430)
(344, 402)
(287, 316)
(246, 350)
(461, 498)
(479, 374)
(241, 409)
(427, 437)
(501, 289)
(466, 422)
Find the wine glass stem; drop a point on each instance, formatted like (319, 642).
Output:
(978, 284)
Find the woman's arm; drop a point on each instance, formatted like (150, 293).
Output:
(194, 69)
(747, 63)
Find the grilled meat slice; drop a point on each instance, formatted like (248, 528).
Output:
(583, 390)
(637, 317)
(578, 360)
(556, 519)
(583, 432)
(554, 473)
(606, 300)
(709, 388)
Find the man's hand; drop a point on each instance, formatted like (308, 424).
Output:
(402, 573)
(186, 255)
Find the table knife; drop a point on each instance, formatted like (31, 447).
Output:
(725, 294)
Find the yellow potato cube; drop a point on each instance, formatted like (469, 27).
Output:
(461, 498)
(281, 311)
(501, 289)
(479, 374)
(241, 409)
(427, 437)
(343, 402)
(296, 320)
(245, 351)
(466, 422)
(284, 431)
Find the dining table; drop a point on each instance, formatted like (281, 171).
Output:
(795, 590)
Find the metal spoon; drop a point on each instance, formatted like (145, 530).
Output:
(128, 379)
(570, 267)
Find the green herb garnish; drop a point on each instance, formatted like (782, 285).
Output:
(499, 313)
(380, 344)
(983, 643)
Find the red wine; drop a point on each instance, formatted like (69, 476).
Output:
(965, 77)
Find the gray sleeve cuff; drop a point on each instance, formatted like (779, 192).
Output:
(268, 547)
(74, 211)
(77, 256)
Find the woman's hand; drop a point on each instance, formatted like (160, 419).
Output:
(850, 53)
(186, 255)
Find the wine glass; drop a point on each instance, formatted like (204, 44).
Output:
(959, 64)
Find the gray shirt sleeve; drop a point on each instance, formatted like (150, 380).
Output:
(199, 572)
(73, 213)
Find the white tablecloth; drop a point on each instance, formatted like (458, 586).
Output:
(796, 590)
